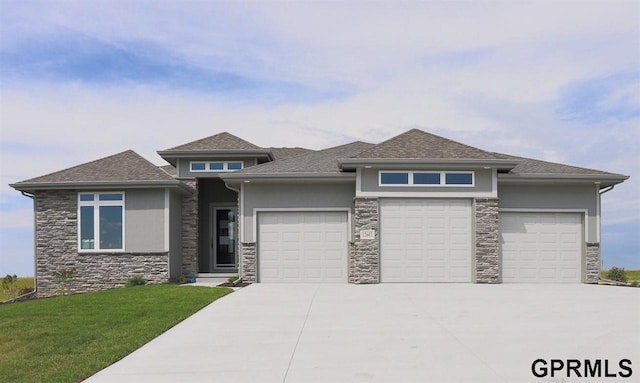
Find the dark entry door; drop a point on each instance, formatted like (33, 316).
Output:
(224, 239)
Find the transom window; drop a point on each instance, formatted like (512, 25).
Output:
(216, 166)
(101, 221)
(425, 178)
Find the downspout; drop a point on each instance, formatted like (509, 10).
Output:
(239, 247)
(35, 260)
(601, 192)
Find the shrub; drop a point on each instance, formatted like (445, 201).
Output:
(181, 280)
(10, 286)
(232, 278)
(617, 274)
(138, 280)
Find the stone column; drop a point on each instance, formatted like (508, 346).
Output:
(190, 231)
(364, 261)
(486, 237)
(592, 272)
(56, 241)
(249, 264)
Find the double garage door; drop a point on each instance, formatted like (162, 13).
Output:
(421, 240)
(425, 240)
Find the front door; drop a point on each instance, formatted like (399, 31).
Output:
(223, 239)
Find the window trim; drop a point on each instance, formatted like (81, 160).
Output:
(443, 178)
(207, 164)
(96, 204)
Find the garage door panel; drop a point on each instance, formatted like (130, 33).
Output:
(541, 247)
(425, 240)
(299, 247)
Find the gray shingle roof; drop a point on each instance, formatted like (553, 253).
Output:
(220, 141)
(417, 144)
(533, 166)
(122, 167)
(170, 169)
(322, 161)
(282, 153)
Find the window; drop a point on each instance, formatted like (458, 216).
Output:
(101, 221)
(426, 178)
(387, 178)
(459, 179)
(216, 166)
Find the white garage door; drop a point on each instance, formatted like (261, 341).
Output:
(425, 240)
(302, 247)
(541, 247)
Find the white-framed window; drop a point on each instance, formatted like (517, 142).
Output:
(101, 221)
(215, 166)
(426, 178)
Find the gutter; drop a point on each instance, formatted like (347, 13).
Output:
(606, 189)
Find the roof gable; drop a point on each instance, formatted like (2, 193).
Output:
(220, 141)
(416, 144)
(122, 167)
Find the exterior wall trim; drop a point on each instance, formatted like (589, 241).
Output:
(400, 194)
(167, 201)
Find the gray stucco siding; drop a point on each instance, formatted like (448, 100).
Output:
(577, 198)
(144, 220)
(183, 165)
(293, 196)
(483, 183)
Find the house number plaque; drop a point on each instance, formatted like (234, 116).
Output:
(367, 234)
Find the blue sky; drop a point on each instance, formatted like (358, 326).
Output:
(557, 81)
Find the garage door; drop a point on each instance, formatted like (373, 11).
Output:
(302, 247)
(541, 247)
(425, 240)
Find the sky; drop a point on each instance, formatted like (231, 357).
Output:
(557, 81)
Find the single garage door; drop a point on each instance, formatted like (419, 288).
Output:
(425, 240)
(541, 247)
(302, 247)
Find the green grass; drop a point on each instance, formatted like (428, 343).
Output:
(67, 339)
(22, 283)
(632, 275)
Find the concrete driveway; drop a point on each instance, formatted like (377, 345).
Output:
(394, 333)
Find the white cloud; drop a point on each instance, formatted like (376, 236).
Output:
(488, 74)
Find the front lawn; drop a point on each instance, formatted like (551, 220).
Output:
(67, 339)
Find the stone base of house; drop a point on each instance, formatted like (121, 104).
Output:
(86, 272)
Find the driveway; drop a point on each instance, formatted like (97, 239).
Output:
(394, 333)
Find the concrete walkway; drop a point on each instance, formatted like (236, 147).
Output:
(392, 333)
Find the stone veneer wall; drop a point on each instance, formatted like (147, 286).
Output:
(249, 262)
(486, 238)
(364, 259)
(61, 269)
(190, 231)
(592, 272)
